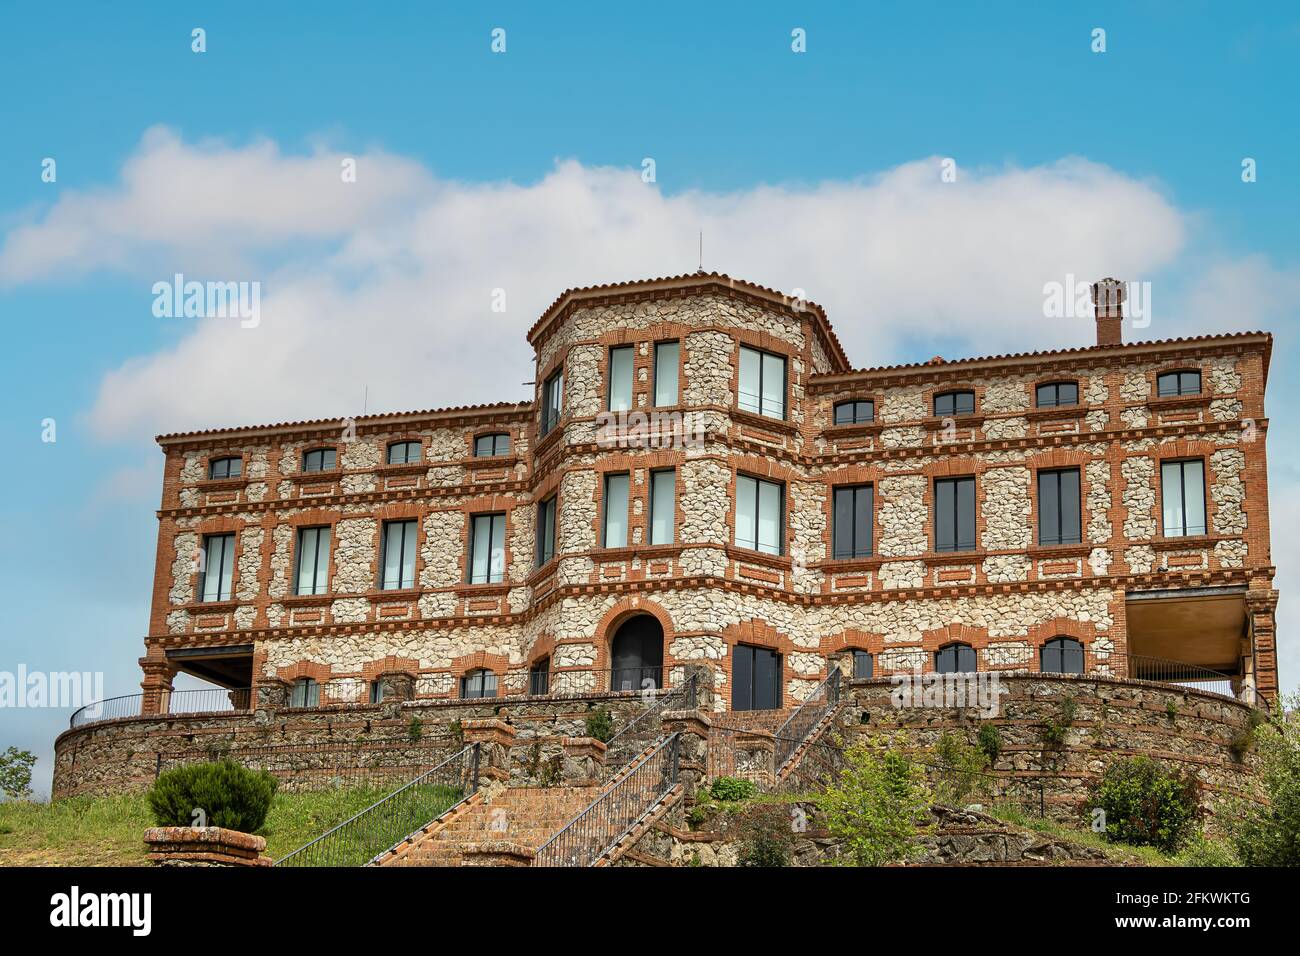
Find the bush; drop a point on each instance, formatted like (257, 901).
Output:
(729, 789)
(767, 835)
(415, 729)
(959, 772)
(1269, 835)
(16, 772)
(1146, 804)
(989, 741)
(229, 795)
(600, 724)
(874, 805)
(1202, 851)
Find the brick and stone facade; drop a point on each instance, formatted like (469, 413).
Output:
(901, 602)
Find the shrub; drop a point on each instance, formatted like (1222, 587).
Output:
(768, 838)
(1202, 851)
(1146, 804)
(415, 729)
(989, 741)
(600, 724)
(16, 772)
(874, 805)
(959, 771)
(1269, 835)
(1171, 709)
(1054, 729)
(729, 789)
(229, 795)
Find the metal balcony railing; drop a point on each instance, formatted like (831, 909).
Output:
(205, 701)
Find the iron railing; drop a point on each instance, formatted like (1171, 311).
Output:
(806, 716)
(616, 812)
(203, 701)
(364, 837)
(1184, 675)
(645, 728)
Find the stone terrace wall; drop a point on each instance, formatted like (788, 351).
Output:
(1113, 719)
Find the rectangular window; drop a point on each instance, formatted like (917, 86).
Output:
(545, 531)
(620, 378)
(954, 403)
(398, 551)
(552, 401)
(487, 549)
(954, 514)
(762, 383)
(218, 566)
(1182, 490)
(488, 446)
(404, 453)
(663, 506)
(755, 678)
(667, 366)
(1054, 394)
(313, 573)
(1058, 507)
(615, 535)
(852, 524)
(760, 514)
(220, 468)
(1178, 383)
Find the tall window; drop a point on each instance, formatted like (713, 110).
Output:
(755, 678)
(225, 468)
(1178, 383)
(760, 514)
(954, 403)
(552, 401)
(862, 664)
(620, 378)
(545, 531)
(539, 678)
(762, 383)
(1182, 489)
(319, 459)
(663, 506)
(1053, 394)
(218, 566)
(954, 514)
(313, 572)
(398, 550)
(487, 549)
(852, 522)
(615, 535)
(1061, 655)
(404, 452)
(488, 446)
(478, 684)
(376, 692)
(667, 364)
(1058, 506)
(955, 659)
(855, 412)
(305, 692)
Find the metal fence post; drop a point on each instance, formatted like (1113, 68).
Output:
(473, 787)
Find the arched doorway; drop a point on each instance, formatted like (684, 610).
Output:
(636, 654)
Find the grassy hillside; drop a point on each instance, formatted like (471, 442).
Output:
(109, 831)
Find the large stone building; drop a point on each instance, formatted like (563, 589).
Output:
(704, 478)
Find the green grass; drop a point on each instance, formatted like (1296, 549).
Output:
(109, 831)
(1138, 855)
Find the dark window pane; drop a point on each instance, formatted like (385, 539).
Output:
(843, 530)
(945, 515)
(955, 659)
(767, 679)
(742, 678)
(1067, 393)
(1189, 383)
(965, 514)
(1069, 497)
(862, 664)
(862, 522)
(1049, 508)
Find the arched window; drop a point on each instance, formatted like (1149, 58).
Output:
(1061, 655)
(954, 403)
(305, 692)
(862, 664)
(319, 459)
(955, 659)
(488, 446)
(1052, 394)
(229, 467)
(404, 452)
(1186, 382)
(478, 684)
(539, 678)
(855, 412)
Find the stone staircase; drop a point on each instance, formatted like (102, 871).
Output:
(503, 829)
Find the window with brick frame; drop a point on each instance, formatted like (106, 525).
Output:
(862, 664)
(619, 397)
(491, 446)
(404, 453)
(667, 369)
(663, 506)
(760, 515)
(487, 549)
(755, 678)
(545, 550)
(851, 522)
(319, 459)
(954, 514)
(1061, 655)
(397, 555)
(304, 692)
(478, 684)
(615, 501)
(218, 567)
(1055, 394)
(762, 383)
(1059, 506)
(955, 403)
(855, 412)
(312, 574)
(1182, 494)
(231, 466)
(539, 678)
(552, 401)
(1184, 382)
(956, 658)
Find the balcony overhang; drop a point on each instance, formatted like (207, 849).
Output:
(229, 667)
(1200, 626)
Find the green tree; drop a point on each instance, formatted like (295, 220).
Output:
(1146, 804)
(16, 772)
(1269, 835)
(875, 804)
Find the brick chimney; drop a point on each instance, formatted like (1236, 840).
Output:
(1108, 299)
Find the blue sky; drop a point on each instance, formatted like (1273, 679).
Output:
(521, 170)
